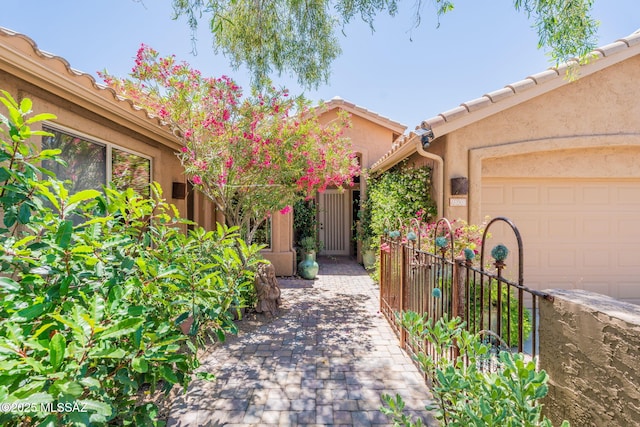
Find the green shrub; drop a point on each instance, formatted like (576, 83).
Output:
(463, 394)
(94, 287)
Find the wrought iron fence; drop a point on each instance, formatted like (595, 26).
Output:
(420, 271)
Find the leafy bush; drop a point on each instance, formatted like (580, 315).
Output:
(94, 287)
(463, 394)
(400, 194)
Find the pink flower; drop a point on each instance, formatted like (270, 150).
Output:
(196, 180)
(285, 210)
(184, 149)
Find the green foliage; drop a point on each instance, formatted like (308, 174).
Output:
(299, 38)
(464, 395)
(399, 195)
(95, 287)
(508, 311)
(305, 219)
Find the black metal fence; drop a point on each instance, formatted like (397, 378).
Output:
(422, 269)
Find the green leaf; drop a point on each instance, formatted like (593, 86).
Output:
(168, 374)
(96, 406)
(31, 312)
(26, 105)
(40, 118)
(57, 347)
(63, 236)
(83, 195)
(24, 214)
(107, 353)
(121, 328)
(139, 364)
(9, 285)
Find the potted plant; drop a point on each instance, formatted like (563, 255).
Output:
(366, 236)
(308, 267)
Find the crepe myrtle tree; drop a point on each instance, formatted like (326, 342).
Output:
(251, 155)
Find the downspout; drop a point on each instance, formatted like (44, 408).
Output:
(421, 144)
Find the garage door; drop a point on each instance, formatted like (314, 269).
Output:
(582, 234)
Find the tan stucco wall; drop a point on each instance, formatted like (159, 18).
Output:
(589, 347)
(91, 111)
(166, 167)
(594, 116)
(368, 138)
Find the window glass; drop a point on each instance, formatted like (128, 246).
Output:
(263, 234)
(130, 170)
(86, 161)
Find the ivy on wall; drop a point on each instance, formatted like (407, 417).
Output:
(401, 193)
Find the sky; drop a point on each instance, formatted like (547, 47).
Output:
(407, 75)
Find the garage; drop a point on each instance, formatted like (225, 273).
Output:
(578, 233)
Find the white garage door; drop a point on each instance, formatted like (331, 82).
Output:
(582, 234)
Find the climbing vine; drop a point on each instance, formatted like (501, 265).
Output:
(403, 192)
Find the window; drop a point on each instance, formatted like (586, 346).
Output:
(263, 234)
(92, 164)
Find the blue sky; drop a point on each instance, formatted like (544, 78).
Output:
(404, 74)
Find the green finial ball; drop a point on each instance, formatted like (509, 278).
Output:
(441, 242)
(412, 236)
(500, 252)
(469, 255)
(436, 292)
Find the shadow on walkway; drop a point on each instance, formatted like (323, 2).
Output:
(325, 360)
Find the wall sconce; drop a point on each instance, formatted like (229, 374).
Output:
(459, 186)
(179, 190)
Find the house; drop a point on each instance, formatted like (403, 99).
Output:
(105, 138)
(559, 156)
(102, 136)
(371, 136)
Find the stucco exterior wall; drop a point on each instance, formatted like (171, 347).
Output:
(594, 116)
(589, 347)
(166, 167)
(368, 138)
(93, 112)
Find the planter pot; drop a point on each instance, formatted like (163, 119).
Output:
(308, 268)
(369, 259)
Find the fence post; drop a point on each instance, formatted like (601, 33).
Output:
(403, 281)
(459, 290)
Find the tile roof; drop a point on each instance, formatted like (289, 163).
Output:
(20, 56)
(512, 94)
(338, 102)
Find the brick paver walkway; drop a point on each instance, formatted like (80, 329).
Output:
(325, 361)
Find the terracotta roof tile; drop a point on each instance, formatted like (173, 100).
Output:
(632, 40)
(500, 94)
(533, 85)
(476, 104)
(433, 122)
(544, 76)
(454, 113)
(612, 48)
(337, 102)
(522, 85)
(79, 78)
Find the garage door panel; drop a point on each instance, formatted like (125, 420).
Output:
(577, 233)
(629, 195)
(561, 195)
(598, 196)
(525, 195)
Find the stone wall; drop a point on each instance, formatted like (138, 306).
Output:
(590, 347)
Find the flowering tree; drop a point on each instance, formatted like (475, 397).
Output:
(252, 156)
